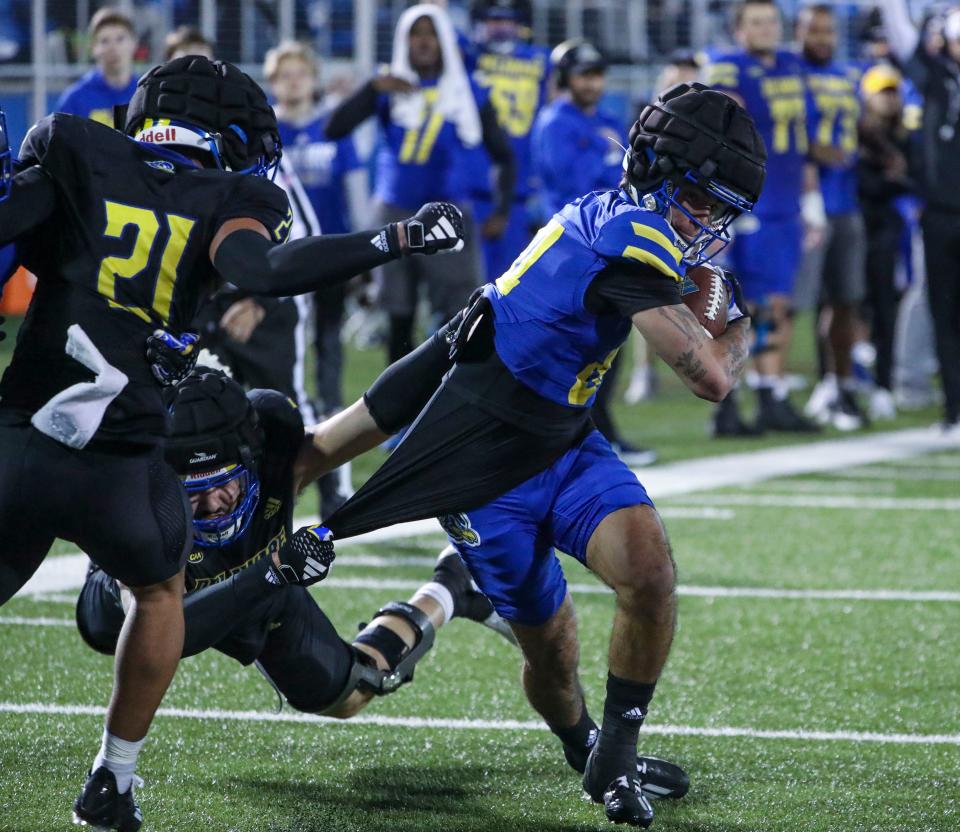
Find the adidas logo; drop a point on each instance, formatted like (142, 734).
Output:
(635, 713)
(443, 230)
(380, 241)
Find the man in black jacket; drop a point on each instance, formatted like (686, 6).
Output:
(937, 76)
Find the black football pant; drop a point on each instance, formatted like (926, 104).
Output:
(125, 508)
(248, 619)
(941, 242)
(884, 230)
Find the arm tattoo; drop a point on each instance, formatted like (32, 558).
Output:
(687, 324)
(735, 350)
(690, 366)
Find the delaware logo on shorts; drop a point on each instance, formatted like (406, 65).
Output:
(458, 527)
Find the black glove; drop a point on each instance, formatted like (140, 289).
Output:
(738, 307)
(305, 558)
(172, 358)
(2, 333)
(436, 227)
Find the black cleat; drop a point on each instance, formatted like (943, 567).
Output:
(468, 601)
(101, 807)
(779, 415)
(622, 797)
(658, 778)
(662, 779)
(726, 421)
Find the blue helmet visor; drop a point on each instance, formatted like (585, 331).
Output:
(713, 233)
(219, 531)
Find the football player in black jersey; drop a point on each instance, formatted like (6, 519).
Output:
(244, 458)
(127, 231)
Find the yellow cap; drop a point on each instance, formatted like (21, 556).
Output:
(879, 78)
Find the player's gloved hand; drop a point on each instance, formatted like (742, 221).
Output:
(738, 305)
(436, 227)
(2, 333)
(172, 358)
(304, 559)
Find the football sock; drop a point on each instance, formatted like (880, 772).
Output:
(623, 714)
(441, 595)
(120, 757)
(582, 735)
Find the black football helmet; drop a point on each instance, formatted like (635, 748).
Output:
(210, 105)
(574, 55)
(693, 134)
(216, 438)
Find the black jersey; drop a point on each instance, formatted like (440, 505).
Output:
(273, 518)
(125, 251)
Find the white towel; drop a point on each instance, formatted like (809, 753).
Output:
(73, 416)
(454, 94)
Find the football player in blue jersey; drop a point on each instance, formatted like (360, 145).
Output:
(833, 276)
(577, 148)
(505, 452)
(430, 115)
(111, 82)
(515, 73)
(769, 82)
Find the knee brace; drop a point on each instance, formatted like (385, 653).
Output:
(365, 675)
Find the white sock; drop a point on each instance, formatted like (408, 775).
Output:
(120, 757)
(441, 595)
(781, 390)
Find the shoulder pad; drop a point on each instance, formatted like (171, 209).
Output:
(276, 412)
(638, 236)
(263, 200)
(37, 141)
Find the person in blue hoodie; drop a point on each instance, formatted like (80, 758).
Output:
(111, 82)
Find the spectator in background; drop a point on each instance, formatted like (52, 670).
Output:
(832, 277)
(578, 148)
(515, 73)
(936, 72)
(429, 114)
(335, 182)
(186, 40)
(769, 82)
(111, 82)
(882, 173)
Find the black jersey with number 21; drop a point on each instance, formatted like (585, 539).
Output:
(125, 251)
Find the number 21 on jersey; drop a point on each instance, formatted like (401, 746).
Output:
(124, 295)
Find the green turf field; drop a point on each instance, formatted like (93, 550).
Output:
(792, 709)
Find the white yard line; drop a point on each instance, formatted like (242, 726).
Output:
(489, 724)
(862, 503)
(823, 486)
(891, 472)
(692, 591)
(711, 473)
(58, 574)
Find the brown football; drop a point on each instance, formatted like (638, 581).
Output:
(705, 294)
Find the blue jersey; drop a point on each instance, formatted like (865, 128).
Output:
(833, 88)
(777, 98)
(515, 75)
(574, 153)
(545, 335)
(92, 97)
(424, 163)
(321, 165)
